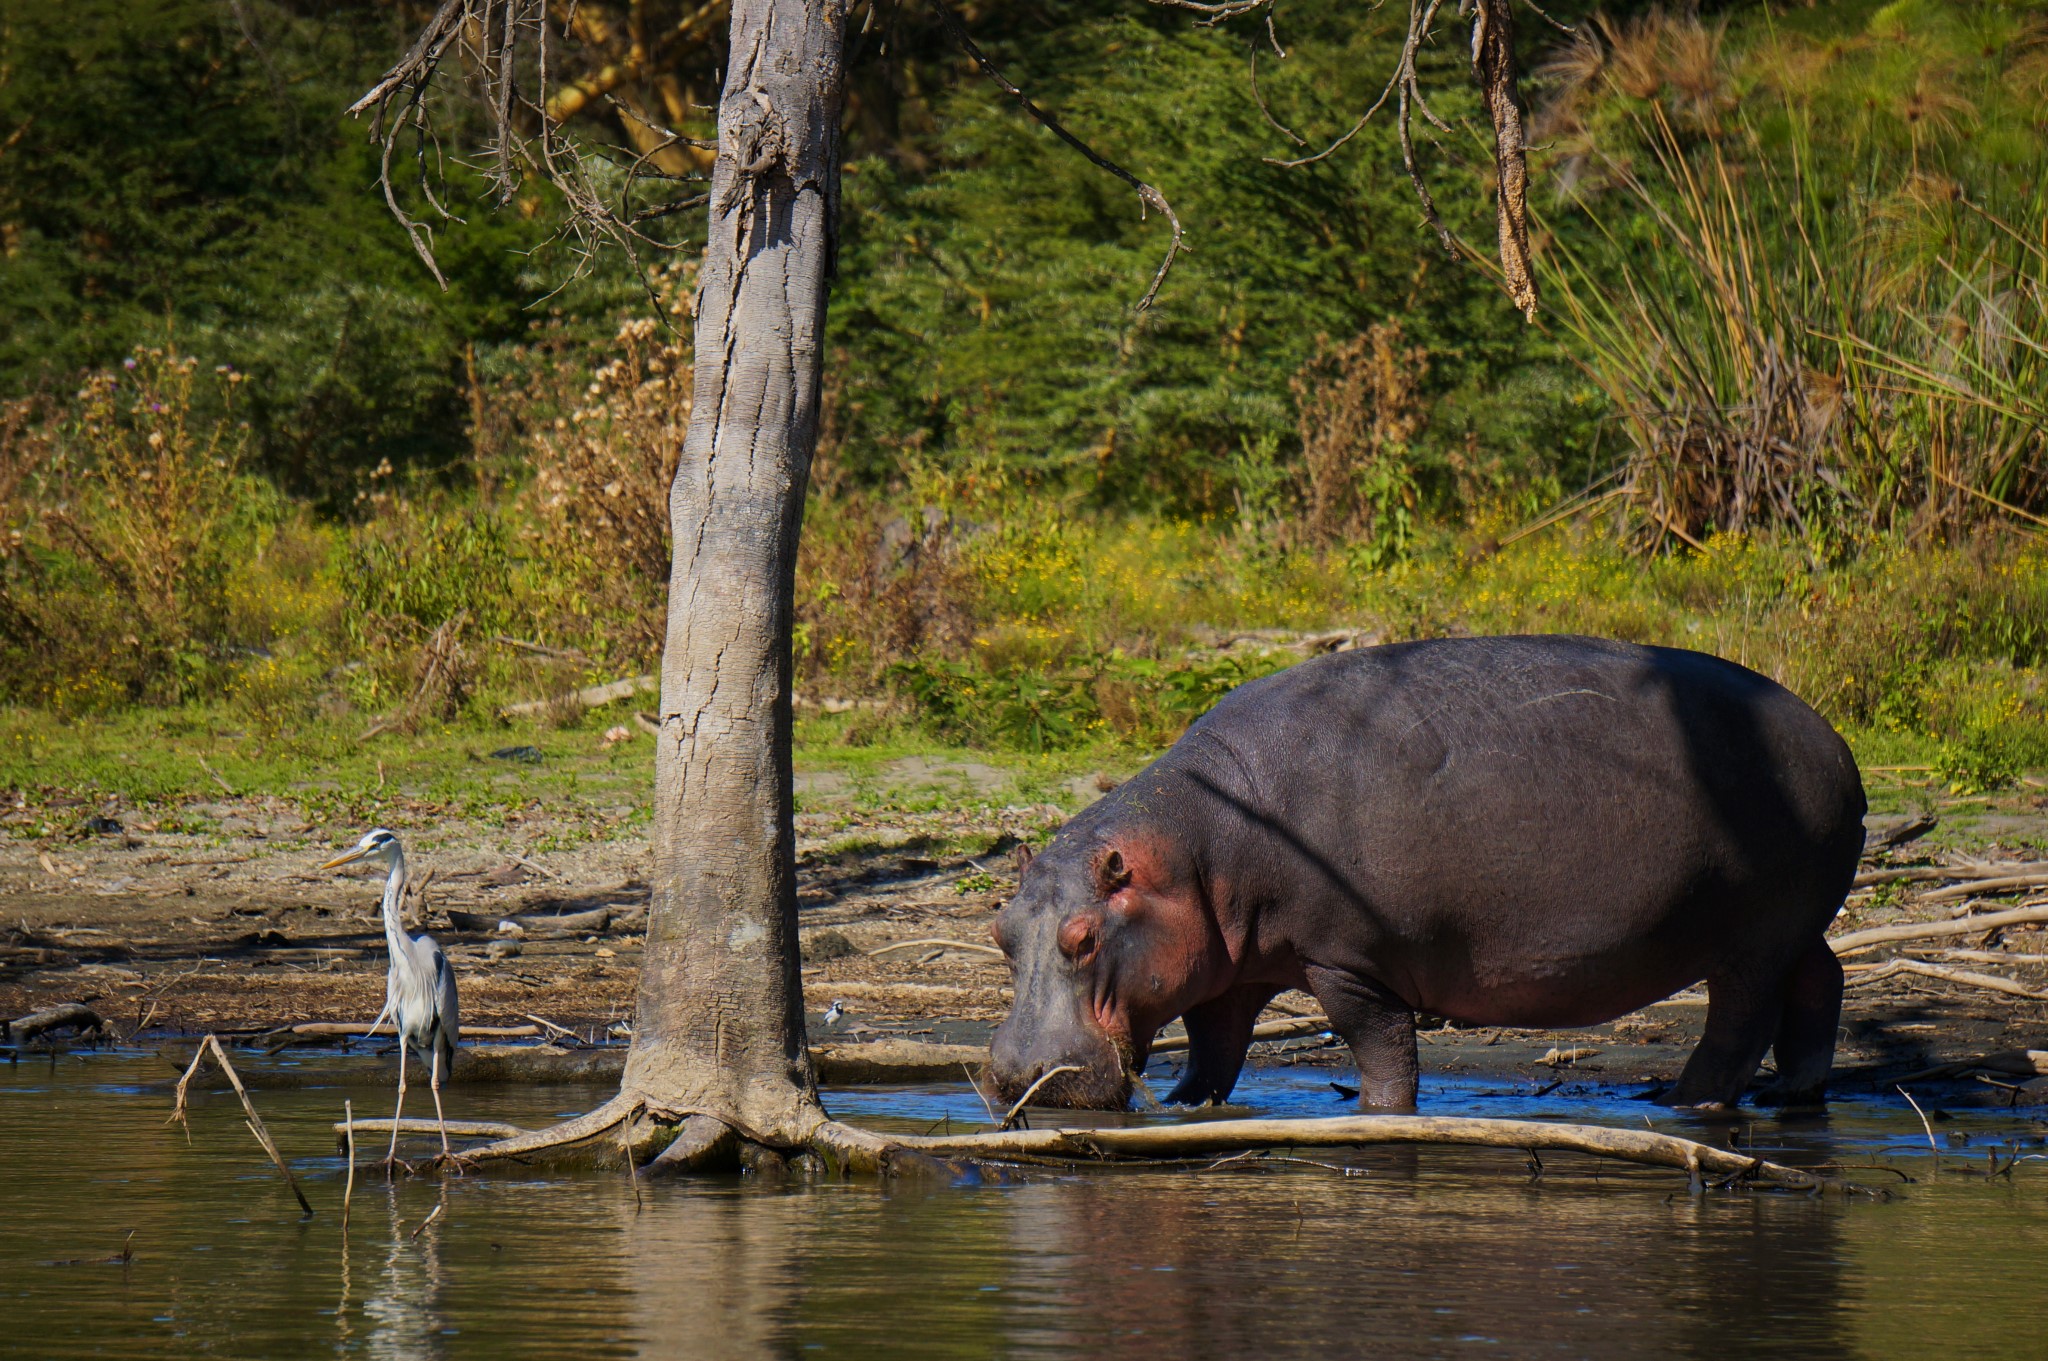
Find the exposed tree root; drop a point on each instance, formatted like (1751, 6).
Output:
(565, 1139)
(704, 1143)
(1228, 1136)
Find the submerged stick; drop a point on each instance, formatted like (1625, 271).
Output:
(255, 1121)
(1224, 1136)
(460, 1129)
(1009, 1119)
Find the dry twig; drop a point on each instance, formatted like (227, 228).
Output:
(255, 1122)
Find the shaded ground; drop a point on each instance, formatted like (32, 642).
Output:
(211, 914)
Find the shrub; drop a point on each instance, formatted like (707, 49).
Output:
(126, 515)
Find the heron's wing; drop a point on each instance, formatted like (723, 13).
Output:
(447, 1006)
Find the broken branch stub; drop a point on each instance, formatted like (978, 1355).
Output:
(1493, 65)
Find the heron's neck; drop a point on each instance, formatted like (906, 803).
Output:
(394, 897)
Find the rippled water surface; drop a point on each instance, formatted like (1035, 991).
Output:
(1434, 1252)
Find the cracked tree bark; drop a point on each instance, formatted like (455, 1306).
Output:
(720, 1029)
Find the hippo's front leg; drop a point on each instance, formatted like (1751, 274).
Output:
(1219, 1033)
(1379, 1027)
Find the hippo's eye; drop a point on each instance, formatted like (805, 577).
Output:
(1111, 873)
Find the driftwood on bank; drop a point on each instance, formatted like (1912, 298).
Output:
(1356, 1131)
(534, 926)
(1954, 926)
(362, 1029)
(590, 697)
(2010, 1062)
(1971, 888)
(71, 1016)
(1860, 975)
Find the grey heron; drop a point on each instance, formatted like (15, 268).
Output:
(419, 992)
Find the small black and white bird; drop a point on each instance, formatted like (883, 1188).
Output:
(834, 1012)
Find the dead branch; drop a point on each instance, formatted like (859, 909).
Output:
(255, 1121)
(1148, 197)
(969, 946)
(2011, 883)
(591, 697)
(1860, 975)
(1493, 65)
(1955, 926)
(70, 1016)
(1225, 1136)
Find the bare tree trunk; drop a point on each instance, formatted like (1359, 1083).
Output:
(721, 1026)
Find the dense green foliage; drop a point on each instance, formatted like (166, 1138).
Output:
(173, 174)
(1784, 401)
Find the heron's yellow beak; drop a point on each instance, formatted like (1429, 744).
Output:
(357, 854)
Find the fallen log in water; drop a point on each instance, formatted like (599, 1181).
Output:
(457, 1129)
(1356, 1131)
(70, 1016)
(1954, 926)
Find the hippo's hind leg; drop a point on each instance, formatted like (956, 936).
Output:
(1805, 1044)
(1379, 1027)
(1219, 1033)
(1743, 1010)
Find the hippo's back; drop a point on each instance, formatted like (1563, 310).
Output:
(1554, 803)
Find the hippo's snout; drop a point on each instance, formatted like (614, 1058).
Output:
(1095, 1078)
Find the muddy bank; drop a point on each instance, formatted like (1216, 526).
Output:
(170, 932)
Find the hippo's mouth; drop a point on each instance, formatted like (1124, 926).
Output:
(1100, 1083)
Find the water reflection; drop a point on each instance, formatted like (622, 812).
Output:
(402, 1312)
(1428, 1253)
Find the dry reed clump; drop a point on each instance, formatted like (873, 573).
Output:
(125, 514)
(602, 472)
(876, 585)
(1359, 411)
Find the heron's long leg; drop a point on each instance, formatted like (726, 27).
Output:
(398, 1110)
(434, 1079)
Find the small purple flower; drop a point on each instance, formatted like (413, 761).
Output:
(128, 363)
(156, 407)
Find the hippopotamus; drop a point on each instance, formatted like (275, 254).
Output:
(1535, 831)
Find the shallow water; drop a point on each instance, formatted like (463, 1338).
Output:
(1433, 1252)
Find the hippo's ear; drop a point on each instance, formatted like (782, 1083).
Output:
(1111, 873)
(1022, 859)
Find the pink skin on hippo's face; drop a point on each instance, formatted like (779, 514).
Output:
(1107, 943)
